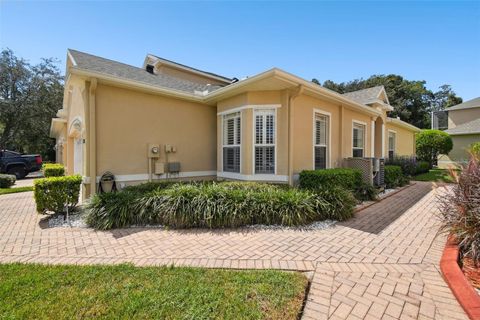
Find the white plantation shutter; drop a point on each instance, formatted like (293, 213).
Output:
(231, 142)
(265, 141)
(358, 139)
(321, 138)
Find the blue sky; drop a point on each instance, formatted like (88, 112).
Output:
(434, 41)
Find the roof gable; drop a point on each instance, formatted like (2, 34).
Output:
(368, 95)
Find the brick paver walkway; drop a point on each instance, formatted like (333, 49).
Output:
(382, 264)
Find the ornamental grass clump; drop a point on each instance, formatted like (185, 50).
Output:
(216, 205)
(460, 209)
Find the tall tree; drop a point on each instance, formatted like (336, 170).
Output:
(29, 97)
(411, 100)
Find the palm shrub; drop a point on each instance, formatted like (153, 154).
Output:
(366, 192)
(460, 209)
(7, 180)
(217, 205)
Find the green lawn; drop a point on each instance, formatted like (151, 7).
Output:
(15, 190)
(33, 291)
(435, 175)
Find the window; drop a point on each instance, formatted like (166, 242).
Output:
(392, 140)
(231, 142)
(358, 139)
(320, 143)
(265, 141)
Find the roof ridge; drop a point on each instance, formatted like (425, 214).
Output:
(379, 86)
(115, 61)
(192, 68)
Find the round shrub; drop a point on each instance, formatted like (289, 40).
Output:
(431, 143)
(341, 202)
(7, 180)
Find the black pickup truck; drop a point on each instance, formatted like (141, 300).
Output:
(20, 165)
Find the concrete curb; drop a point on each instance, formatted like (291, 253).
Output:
(453, 275)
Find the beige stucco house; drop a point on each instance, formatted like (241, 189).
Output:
(168, 120)
(464, 128)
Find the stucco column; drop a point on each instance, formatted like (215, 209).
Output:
(372, 140)
(383, 140)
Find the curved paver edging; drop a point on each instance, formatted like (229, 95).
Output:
(461, 288)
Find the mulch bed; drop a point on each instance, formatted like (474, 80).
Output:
(472, 272)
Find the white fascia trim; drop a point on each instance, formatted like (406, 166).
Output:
(250, 106)
(74, 63)
(253, 177)
(144, 176)
(403, 124)
(136, 84)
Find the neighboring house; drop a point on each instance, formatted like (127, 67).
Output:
(464, 128)
(268, 127)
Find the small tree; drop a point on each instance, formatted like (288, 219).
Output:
(431, 143)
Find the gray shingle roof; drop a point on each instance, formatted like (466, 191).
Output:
(471, 127)
(108, 67)
(366, 95)
(474, 103)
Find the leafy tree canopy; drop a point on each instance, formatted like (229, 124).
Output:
(30, 96)
(431, 143)
(411, 100)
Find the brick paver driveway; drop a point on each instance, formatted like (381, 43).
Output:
(382, 264)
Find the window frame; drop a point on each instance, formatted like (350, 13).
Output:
(394, 142)
(328, 145)
(235, 115)
(265, 111)
(364, 137)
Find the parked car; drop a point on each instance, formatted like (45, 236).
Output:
(18, 164)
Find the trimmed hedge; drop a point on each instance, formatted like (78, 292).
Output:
(7, 180)
(422, 167)
(215, 205)
(52, 194)
(346, 178)
(394, 177)
(53, 170)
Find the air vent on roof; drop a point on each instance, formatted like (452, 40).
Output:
(234, 80)
(149, 68)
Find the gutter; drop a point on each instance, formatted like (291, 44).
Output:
(290, 100)
(403, 124)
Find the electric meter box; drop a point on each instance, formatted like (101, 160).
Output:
(153, 150)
